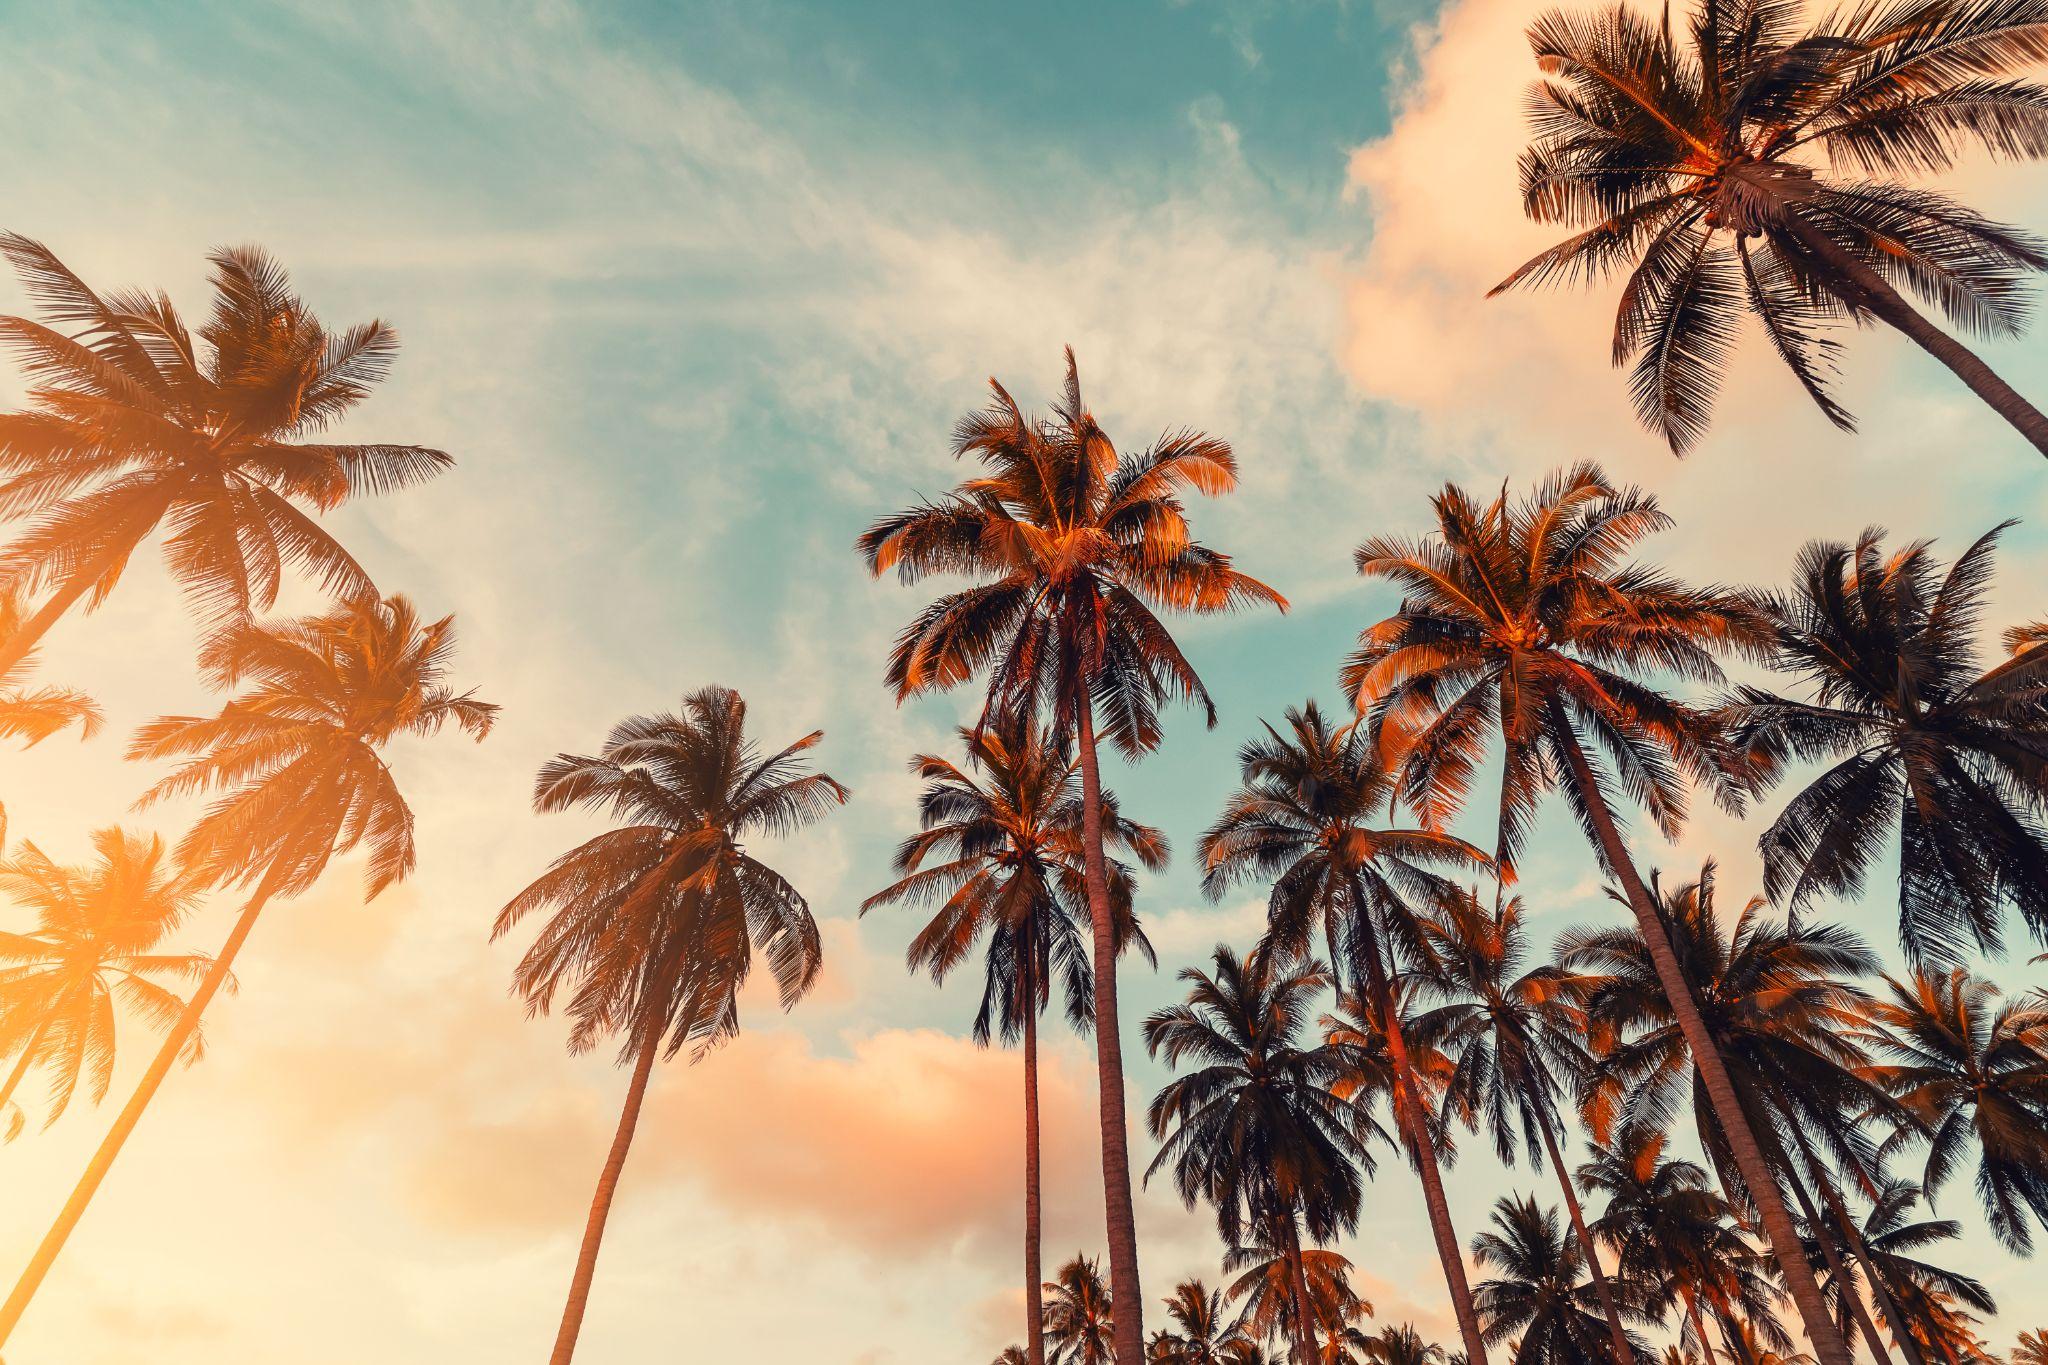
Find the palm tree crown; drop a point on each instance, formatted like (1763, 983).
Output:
(1080, 1323)
(1540, 1294)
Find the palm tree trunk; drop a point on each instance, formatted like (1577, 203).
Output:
(1828, 1343)
(1825, 1235)
(1624, 1354)
(28, 1057)
(1887, 303)
(1119, 1215)
(1699, 1327)
(1414, 1124)
(131, 1113)
(1902, 1336)
(16, 648)
(1304, 1306)
(601, 1203)
(1034, 1278)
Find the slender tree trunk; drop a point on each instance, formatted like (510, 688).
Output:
(21, 1066)
(1902, 1336)
(131, 1113)
(601, 1204)
(1304, 1306)
(1888, 304)
(16, 648)
(1124, 1289)
(1731, 1334)
(1624, 1354)
(1413, 1121)
(1828, 1343)
(1699, 1327)
(1034, 1278)
(1825, 1235)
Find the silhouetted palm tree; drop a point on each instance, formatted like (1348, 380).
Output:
(1306, 817)
(1012, 1355)
(1903, 1285)
(1074, 549)
(1256, 1129)
(294, 759)
(1263, 1287)
(33, 715)
(1001, 854)
(135, 424)
(1525, 617)
(1080, 1323)
(2031, 1349)
(1540, 1296)
(96, 948)
(1401, 1345)
(1974, 1072)
(656, 922)
(1200, 1334)
(1923, 744)
(1758, 164)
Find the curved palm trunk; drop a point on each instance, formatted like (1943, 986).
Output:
(1616, 1336)
(1902, 1335)
(1828, 1343)
(1824, 1234)
(131, 1114)
(1887, 303)
(27, 1059)
(14, 649)
(1034, 1279)
(1119, 1215)
(601, 1204)
(1304, 1305)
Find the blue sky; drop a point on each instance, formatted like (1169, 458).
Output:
(693, 292)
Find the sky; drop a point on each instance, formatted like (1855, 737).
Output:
(693, 292)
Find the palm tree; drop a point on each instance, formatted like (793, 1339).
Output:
(1074, 549)
(1256, 1129)
(32, 716)
(1973, 1072)
(1402, 1345)
(1012, 1355)
(1515, 1038)
(2031, 1349)
(134, 425)
(95, 949)
(1002, 856)
(1525, 616)
(1200, 1334)
(1305, 819)
(1920, 742)
(1759, 165)
(1906, 1286)
(1080, 1324)
(656, 921)
(1781, 1004)
(294, 760)
(1540, 1297)
(1264, 1287)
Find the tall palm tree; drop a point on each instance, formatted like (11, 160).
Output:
(1306, 818)
(1906, 1285)
(294, 763)
(1256, 1129)
(96, 948)
(1263, 1288)
(1080, 1319)
(1782, 1005)
(1540, 1296)
(1073, 549)
(1766, 162)
(1515, 1037)
(33, 715)
(1402, 1345)
(1922, 743)
(1001, 854)
(1974, 1072)
(1524, 616)
(219, 439)
(656, 921)
(1200, 1334)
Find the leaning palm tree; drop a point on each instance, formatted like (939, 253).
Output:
(1073, 549)
(656, 922)
(1768, 163)
(135, 424)
(1891, 1245)
(1000, 851)
(96, 949)
(1307, 818)
(1974, 1072)
(1923, 744)
(294, 763)
(1524, 616)
(1516, 1040)
(1200, 1333)
(1256, 1128)
(32, 715)
(1539, 1295)
(1080, 1321)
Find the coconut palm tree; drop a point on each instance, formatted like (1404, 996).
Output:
(1256, 1129)
(1515, 1038)
(999, 849)
(1974, 1072)
(1769, 162)
(656, 921)
(96, 949)
(1200, 1334)
(1080, 1321)
(1524, 616)
(1263, 1288)
(136, 424)
(1306, 818)
(33, 715)
(1073, 550)
(1923, 744)
(1905, 1285)
(2031, 1349)
(1012, 1355)
(294, 765)
(1540, 1296)
(1402, 1345)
